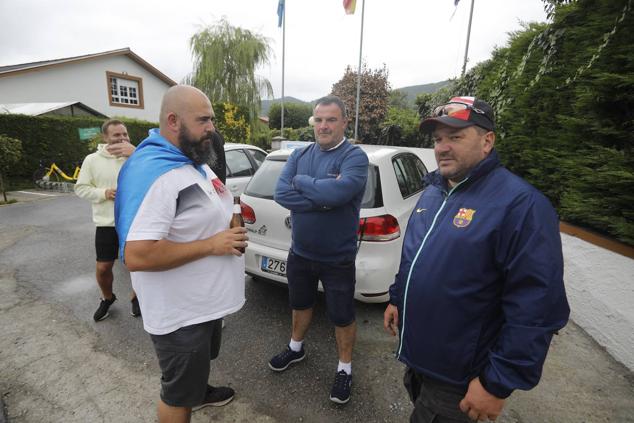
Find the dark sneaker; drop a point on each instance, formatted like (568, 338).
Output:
(340, 392)
(135, 310)
(104, 306)
(287, 357)
(216, 397)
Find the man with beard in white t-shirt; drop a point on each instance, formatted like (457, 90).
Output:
(173, 218)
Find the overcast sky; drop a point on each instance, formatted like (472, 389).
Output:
(418, 40)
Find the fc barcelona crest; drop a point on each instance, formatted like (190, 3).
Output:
(463, 218)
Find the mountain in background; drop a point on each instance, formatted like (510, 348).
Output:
(411, 91)
(266, 104)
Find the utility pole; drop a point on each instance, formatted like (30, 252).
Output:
(356, 113)
(283, 69)
(466, 50)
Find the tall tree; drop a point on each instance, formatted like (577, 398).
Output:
(374, 103)
(225, 60)
(398, 99)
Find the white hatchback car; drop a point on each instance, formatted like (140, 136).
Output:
(395, 182)
(242, 162)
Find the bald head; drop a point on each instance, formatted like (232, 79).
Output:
(185, 108)
(181, 100)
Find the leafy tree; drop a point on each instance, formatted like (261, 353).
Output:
(231, 122)
(10, 153)
(400, 127)
(374, 102)
(424, 104)
(398, 99)
(225, 59)
(295, 115)
(551, 5)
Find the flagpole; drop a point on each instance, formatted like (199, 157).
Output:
(283, 66)
(466, 50)
(356, 113)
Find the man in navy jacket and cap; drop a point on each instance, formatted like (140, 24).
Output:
(479, 292)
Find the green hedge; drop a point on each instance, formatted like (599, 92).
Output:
(564, 99)
(56, 139)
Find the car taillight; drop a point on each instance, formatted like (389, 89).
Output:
(379, 228)
(248, 214)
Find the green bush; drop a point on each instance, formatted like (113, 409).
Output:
(10, 153)
(232, 122)
(306, 133)
(295, 115)
(400, 127)
(261, 136)
(289, 133)
(56, 139)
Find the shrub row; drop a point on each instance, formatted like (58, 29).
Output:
(56, 139)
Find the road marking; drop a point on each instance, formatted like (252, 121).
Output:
(38, 193)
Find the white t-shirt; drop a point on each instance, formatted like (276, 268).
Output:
(182, 206)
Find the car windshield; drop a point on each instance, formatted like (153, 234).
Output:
(262, 185)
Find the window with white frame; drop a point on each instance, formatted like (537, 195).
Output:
(125, 90)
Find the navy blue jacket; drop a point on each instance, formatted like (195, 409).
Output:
(480, 287)
(323, 190)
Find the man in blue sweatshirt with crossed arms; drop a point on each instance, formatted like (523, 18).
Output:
(322, 185)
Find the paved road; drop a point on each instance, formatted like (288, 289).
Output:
(57, 365)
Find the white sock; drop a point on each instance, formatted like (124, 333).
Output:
(295, 345)
(346, 367)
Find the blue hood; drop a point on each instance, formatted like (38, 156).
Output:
(152, 158)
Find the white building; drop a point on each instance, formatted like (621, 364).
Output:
(115, 83)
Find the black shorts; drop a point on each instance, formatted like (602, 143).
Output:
(184, 357)
(338, 280)
(106, 243)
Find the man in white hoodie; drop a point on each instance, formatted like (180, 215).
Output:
(97, 183)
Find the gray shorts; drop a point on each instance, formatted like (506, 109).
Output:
(184, 357)
(434, 401)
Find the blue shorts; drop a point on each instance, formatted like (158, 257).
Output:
(338, 280)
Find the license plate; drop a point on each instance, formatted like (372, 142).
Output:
(270, 265)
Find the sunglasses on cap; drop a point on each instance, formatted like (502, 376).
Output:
(458, 110)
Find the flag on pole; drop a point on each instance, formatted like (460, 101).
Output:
(280, 13)
(349, 6)
(455, 3)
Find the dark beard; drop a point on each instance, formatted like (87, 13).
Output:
(199, 151)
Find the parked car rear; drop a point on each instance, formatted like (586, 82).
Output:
(395, 181)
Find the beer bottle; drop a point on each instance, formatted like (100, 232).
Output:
(236, 219)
